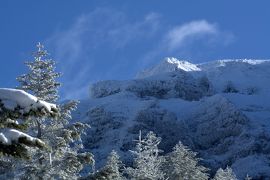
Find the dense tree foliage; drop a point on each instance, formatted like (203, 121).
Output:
(226, 174)
(147, 162)
(63, 159)
(182, 163)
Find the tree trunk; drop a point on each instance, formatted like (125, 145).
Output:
(39, 129)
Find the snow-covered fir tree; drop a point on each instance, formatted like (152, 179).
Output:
(41, 74)
(147, 162)
(41, 79)
(63, 161)
(112, 170)
(248, 177)
(18, 105)
(17, 108)
(230, 88)
(183, 164)
(226, 174)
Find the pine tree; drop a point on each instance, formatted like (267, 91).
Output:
(17, 108)
(226, 174)
(41, 80)
(248, 177)
(230, 88)
(183, 164)
(63, 160)
(147, 162)
(112, 170)
(12, 137)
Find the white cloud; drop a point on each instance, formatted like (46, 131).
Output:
(81, 48)
(180, 36)
(109, 44)
(191, 40)
(105, 44)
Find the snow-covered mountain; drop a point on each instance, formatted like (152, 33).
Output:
(168, 65)
(219, 109)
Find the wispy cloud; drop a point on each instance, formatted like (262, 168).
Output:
(109, 44)
(178, 36)
(188, 40)
(85, 50)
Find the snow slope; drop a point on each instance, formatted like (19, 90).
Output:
(220, 109)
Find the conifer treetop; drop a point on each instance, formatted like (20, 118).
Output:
(41, 80)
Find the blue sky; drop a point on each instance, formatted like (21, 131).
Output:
(96, 40)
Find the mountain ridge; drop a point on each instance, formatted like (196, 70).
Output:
(219, 109)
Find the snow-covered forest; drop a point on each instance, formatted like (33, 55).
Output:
(176, 120)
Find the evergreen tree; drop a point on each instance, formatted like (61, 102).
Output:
(17, 105)
(182, 164)
(226, 174)
(248, 177)
(63, 160)
(112, 169)
(230, 88)
(17, 108)
(147, 162)
(41, 80)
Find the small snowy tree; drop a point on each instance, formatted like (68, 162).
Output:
(41, 80)
(182, 163)
(248, 177)
(63, 161)
(147, 162)
(112, 170)
(230, 88)
(205, 85)
(252, 90)
(226, 174)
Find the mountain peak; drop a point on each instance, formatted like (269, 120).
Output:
(180, 64)
(169, 64)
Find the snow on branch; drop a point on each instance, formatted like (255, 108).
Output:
(17, 104)
(10, 136)
(22, 103)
